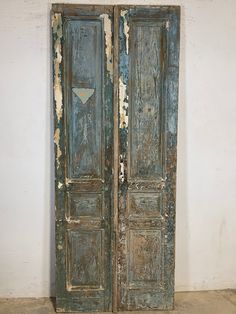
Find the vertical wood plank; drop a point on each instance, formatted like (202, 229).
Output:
(116, 158)
(83, 98)
(148, 102)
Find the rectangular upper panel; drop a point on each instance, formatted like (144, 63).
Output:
(84, 260)
(84, 45)
(147, 52)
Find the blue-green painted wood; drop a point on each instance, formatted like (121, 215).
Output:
(83, 102)
(146, 67)
(148, 101)
(144, 243)
(85, 63)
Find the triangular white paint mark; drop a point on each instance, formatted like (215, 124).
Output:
(83, 93)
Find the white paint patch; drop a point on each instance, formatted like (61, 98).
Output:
(167, 24)
(56, 141)
(122, 169)
(75, 221)
(60, 185)
(123, 105)
(57, 30)
(68, 181)
(108, 38)
(126, 29)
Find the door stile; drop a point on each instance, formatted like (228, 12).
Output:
(116, 156)
(59, 144)
(123, 104)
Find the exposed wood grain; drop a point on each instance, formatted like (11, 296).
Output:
(84, 63)
(115, 104)
(116, 160)
(148, 94)
(85, 162)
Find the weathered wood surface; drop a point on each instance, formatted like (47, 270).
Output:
(148, 100)
(115, 254)
(83, 99)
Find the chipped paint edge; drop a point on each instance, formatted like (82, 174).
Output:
(122, 169)
(108, 41)
(57, 84)
(126, 29)
(58, 149)
(123, 99)
(167, 25)
(57, 30)
(123, 105)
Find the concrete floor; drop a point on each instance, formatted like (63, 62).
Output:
(207, 302)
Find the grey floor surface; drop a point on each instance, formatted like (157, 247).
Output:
(207, 302)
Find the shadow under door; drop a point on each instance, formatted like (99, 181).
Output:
(115, 73)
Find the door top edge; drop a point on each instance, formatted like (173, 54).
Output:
(69, 7)
(93, 7)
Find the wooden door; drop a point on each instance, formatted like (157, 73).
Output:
(83, 100)
(148, 99)
(115, 103)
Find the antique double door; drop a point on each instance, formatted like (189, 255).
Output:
(115, 72)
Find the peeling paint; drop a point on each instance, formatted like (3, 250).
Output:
(60, 185)
(58, 151)
(123, 104)
(126, 29)
(60, 247)
(122, 169)
(75, 221)
(134, 260)
(108, 38)
(57, 31)
(167, 24)
(68, 181)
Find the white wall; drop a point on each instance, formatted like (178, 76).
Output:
(206, 193)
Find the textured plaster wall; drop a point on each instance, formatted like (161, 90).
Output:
(206, 192)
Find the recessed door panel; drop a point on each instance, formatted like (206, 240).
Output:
(85, 259)
(145, 267)
(82, 204)
(146, 83)
(84, 67)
